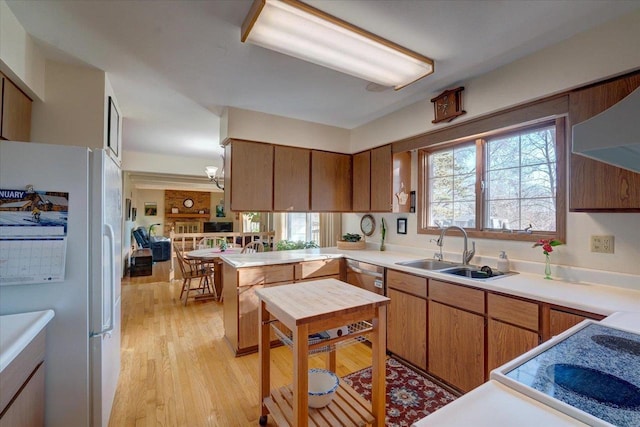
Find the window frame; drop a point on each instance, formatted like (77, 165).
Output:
(479, 230)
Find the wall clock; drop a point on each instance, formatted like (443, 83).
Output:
(448, 105)
(368, 225)
(188, 203)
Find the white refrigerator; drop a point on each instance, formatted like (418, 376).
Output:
(82, 359)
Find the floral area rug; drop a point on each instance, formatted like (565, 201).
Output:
(410, 396)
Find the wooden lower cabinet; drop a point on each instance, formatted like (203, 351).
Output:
(560, 321)
(407, 327)
(512, 329)
(506, 342)
(27, 409)
(240, 308)
(456, 346)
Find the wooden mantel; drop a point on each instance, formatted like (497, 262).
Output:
(187, 216)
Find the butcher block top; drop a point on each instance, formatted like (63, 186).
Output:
(309, 302)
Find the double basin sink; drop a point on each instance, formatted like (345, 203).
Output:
(456, 269)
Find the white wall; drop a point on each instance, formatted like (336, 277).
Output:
(142, 196)
(606, 51)
(20, 58)
(255, 126)
(587, 57)
(159, 163)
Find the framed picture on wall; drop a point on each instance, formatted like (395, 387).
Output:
(134, 213)
(128, 209)
(150, 209)
(113, 127)
(402, 225)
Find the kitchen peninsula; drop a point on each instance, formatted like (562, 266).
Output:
(551, 306)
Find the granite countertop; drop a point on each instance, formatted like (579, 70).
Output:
(17, 331)
(594, 298)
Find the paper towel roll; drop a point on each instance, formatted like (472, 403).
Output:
(338, 332)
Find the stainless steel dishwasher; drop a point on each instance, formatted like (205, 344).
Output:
(366, 276)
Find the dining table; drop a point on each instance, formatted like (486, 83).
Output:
(212, 256)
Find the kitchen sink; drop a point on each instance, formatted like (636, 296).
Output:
(478, 273)
(429, 264)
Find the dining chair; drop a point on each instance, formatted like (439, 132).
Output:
(193, 269)
(253, 247)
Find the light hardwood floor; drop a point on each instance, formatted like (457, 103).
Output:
(178, 370)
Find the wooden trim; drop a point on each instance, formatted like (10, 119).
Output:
(562, 167)
(251, 18)
(472, 129)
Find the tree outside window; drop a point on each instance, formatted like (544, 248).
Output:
(502, 182)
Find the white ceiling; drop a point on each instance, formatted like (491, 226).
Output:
(174, 65)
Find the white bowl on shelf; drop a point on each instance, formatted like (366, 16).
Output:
(322, 387)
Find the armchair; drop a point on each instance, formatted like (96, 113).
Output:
(160, 246)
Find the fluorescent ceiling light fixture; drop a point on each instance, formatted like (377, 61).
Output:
(304, 32)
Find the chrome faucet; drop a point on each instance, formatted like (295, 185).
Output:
(466, 254)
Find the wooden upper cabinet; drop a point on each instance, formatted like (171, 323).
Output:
(381, 179)
(362, 181)
(330, 182)
(373, 180)
(250, 169)
(15, 113)
(291, 176)
(594, 185)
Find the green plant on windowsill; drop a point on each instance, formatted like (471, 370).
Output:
(287, 245)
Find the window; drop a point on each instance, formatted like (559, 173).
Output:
(502, 183)
(520, 189)
(302, 226)
(452, 182)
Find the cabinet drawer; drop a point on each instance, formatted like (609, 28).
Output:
(320, 268)
(266, 274)
(407, 283)
(514, 311)
(457, 296)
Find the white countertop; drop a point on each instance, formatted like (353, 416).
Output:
(594, 298)
(17, 331)
(496, 405)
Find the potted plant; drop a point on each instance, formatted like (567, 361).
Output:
(351, 241)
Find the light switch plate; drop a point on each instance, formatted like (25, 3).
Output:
(602, 244)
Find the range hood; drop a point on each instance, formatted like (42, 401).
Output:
(612, 136)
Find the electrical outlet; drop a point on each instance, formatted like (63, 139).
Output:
(602, 244)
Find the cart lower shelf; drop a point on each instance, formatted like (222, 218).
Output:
(347, 408)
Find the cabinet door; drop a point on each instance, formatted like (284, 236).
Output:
(381, 179)
(251, 183)
(27, 410)
(456, 346)
(407, 327)
(594, 185)
(330, 182)
(291, 179)
(362, 182)
(16, 113)
(506, 342)
(560, 321)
